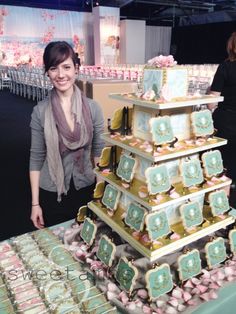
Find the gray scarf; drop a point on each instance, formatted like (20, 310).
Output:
(60, 139)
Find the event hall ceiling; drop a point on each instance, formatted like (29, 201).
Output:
(155, 12)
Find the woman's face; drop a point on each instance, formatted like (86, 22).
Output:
(63, 75)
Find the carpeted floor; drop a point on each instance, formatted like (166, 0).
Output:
(15, 114)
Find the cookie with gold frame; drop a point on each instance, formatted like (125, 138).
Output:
(215, 252)
(161, 130)
(218, 202)
(111, 197)
(212, 163)
(158, 180)
(202, 123)
(232, 241)
(106, 250)
(158, 281)
(157, 225)
(126, 274)
(191, 172)
(135, 216)
(189, 265)
(191, 214)
(126, 168)
(88, 231)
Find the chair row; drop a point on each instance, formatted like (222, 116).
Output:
(29, 84)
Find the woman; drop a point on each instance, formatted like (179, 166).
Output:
(224, 83)
(65, 141)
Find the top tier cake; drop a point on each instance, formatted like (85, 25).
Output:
(165, 78)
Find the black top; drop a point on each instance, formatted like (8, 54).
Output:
(225, 82)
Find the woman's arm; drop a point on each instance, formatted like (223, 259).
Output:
(37, 157)
(98, 128)
(36, 210)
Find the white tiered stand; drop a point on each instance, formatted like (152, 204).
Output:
(116, 221)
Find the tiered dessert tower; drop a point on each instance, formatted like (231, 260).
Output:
(164, 185)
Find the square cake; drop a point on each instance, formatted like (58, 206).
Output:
(174, 79)
(167, 80)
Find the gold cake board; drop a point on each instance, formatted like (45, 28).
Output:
(175, 103)
(149, 201)
(117, 224)
(125, 144)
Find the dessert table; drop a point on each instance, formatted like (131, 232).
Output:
(224, 298)
(224, 303)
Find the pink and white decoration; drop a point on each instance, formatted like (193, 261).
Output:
(24, 41)
(162, 61)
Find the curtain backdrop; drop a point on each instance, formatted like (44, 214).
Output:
(24, 32)
(158, 40)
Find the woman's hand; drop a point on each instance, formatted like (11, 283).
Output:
(37, 216)
(212, 107)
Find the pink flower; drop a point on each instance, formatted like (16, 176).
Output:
(162, 61)
(149, 95)
(48, 35)
(142, 293)
(124, 298)
(145, 238)
(112, 287)
(175, 236)
(111, 295)
(159, 197)
(177, 293)
(147, 310)
(174, 302)
(187, 296)
(75, 40)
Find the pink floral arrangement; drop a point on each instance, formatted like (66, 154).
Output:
(149, 95)
(24, 59)
(76, 40)
(48, 35)
(162, 61)
(15, 49)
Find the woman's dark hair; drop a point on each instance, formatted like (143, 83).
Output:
(231, 47)
(57, 52)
